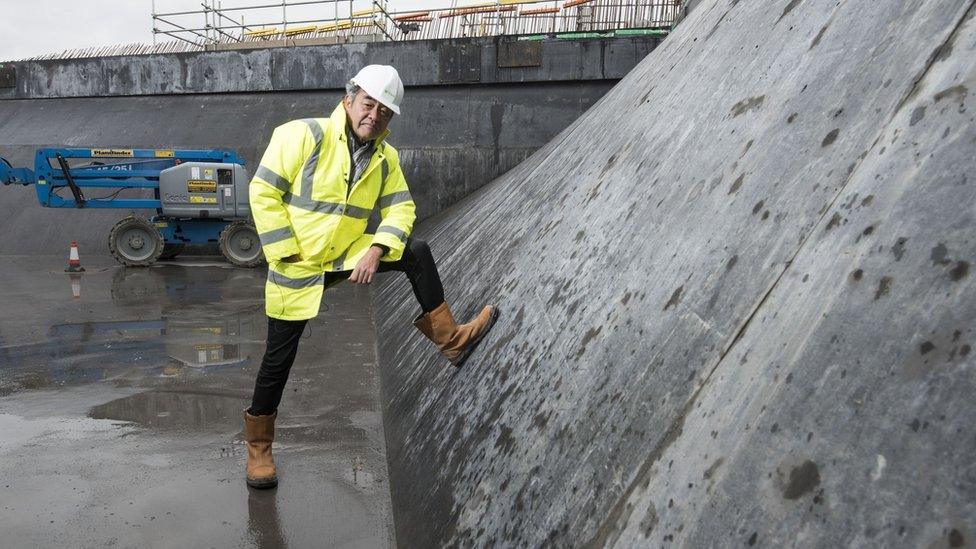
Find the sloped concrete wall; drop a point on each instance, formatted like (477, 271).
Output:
(737, 302)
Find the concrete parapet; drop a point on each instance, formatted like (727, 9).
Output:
(329, 67)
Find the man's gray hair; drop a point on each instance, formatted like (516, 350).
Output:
(351, 90)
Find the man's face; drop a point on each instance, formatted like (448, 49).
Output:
(368, 118)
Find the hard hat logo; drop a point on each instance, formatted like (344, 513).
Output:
(381, 82)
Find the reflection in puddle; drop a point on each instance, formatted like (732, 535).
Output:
(263, 523)
(212, 354)
(170, 285)
(209, 346)
(70, 362)
(200, 321)
(92, 351)
(75, 285)
(174, 410)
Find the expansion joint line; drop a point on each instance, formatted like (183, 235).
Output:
(840, 192)
(933, 59)
(549, 323)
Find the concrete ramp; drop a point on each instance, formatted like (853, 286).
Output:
(738, 306)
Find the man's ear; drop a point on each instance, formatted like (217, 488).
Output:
(347, 101)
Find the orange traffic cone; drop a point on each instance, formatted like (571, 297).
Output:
(74, 263)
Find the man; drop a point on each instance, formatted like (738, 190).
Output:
(311, 197)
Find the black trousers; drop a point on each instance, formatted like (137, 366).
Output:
(283, 335)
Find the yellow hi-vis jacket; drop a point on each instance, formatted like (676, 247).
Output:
(299, 203)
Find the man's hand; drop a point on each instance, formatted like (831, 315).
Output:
(366, 268)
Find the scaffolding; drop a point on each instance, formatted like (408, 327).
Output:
(281, 23)
(378, 20)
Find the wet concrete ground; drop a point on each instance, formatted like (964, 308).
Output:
(120, 412)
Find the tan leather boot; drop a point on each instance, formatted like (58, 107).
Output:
(259, 433)
(455, 341)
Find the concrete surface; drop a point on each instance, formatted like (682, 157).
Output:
(473, 109)
(737, 302)
(420, 63)
(121, 413)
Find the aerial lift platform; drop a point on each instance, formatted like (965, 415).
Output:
(200, 196)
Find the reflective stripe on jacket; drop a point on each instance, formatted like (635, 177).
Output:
(299, 201)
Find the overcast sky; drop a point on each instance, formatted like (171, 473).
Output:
(36, 27)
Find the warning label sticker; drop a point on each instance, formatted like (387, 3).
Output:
(164, 153)
(203, 200)
(201, 186)
(111, 152)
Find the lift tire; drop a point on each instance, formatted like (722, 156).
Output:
(135, 242)
(170, 251)
(240, 245)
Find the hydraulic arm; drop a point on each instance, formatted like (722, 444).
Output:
(199, 196)
(76, 170)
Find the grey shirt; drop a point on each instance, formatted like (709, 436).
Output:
(359, 154)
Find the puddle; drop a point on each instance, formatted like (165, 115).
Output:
(60, 363)
(263, 522)
(175, 320)
(87, 352)
(173, 284)
(175, 410)
(20, 431)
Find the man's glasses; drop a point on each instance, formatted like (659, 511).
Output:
(384, 112)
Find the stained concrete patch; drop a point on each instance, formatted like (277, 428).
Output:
(802, 480)
(747, 105)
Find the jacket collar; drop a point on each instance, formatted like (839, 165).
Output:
(338, 121)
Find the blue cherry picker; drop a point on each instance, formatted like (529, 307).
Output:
(199, 196)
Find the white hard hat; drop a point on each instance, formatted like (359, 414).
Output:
(382, 83)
